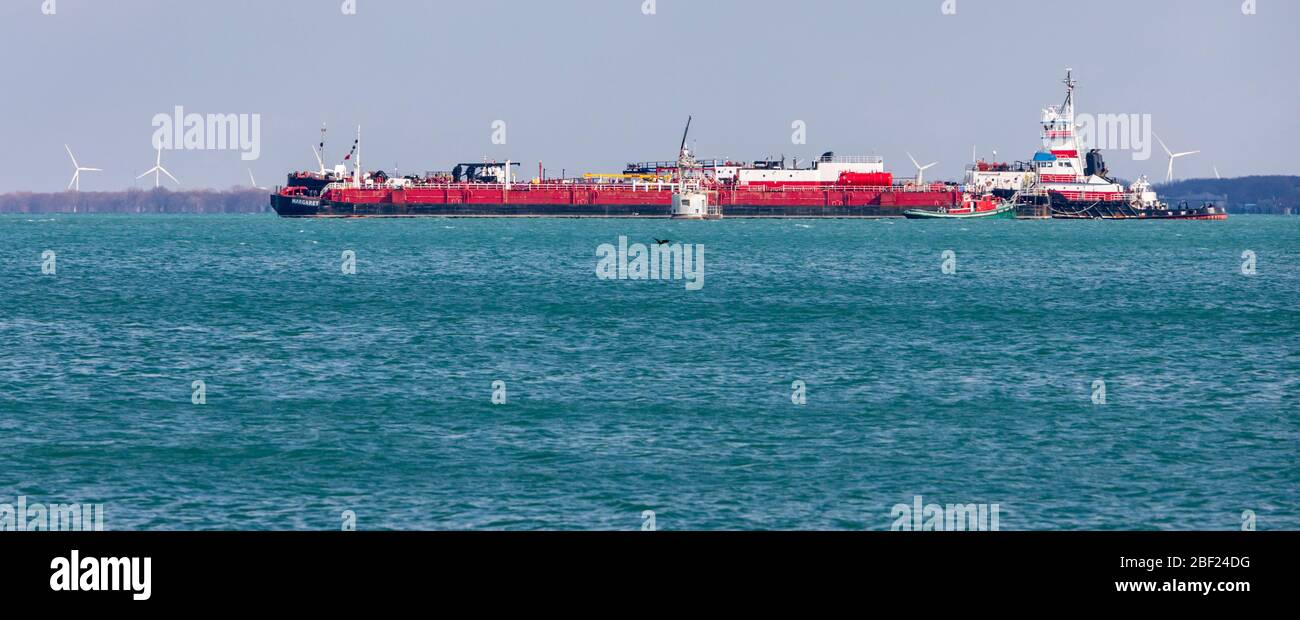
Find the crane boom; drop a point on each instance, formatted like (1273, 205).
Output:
(685, 133)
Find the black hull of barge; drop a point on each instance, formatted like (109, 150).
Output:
(1063, 209)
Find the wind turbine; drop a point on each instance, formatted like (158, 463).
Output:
(76, 175)
(920, 170)
(1169, 176)
(157, 170)
(254, 181)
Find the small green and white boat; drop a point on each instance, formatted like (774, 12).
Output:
(986, 206)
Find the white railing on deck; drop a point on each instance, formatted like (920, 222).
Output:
(852, 159)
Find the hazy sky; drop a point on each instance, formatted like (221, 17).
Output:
(590, 85)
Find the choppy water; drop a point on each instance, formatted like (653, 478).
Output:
(328, 392)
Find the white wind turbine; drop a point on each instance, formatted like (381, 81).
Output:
(76, 175)
(1169, 176)
(158, 170)
(254, 181)
(920, 170)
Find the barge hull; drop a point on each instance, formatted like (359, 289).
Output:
(612, 203)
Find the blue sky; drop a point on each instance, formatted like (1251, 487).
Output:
(588, 85)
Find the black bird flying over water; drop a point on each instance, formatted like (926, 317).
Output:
(661, 241)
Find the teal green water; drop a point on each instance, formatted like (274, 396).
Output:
(372, 392)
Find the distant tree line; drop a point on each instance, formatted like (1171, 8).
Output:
(161, 200)
(1257, 194)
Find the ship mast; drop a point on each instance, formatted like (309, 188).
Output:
(1069, 90)
(320, 152)
(358, 175)
(1068, 111)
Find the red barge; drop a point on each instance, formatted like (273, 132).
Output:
(376, 197)
(836, 187)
